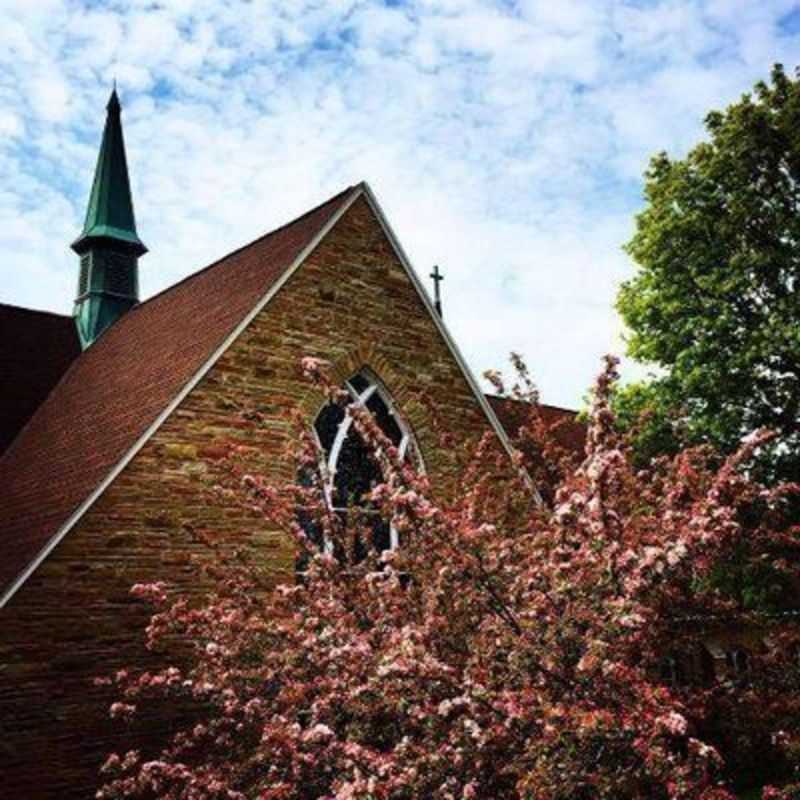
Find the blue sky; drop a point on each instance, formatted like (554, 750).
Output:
(506, 139)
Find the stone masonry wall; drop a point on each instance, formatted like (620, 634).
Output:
(350, 303)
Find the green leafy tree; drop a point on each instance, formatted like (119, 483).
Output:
(715, 304)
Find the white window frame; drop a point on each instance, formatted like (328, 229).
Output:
(328, 465)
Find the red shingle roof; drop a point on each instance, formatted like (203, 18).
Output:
(36, 348)
(566, 430)
(116, 389)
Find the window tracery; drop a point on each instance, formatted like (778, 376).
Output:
(348, 469)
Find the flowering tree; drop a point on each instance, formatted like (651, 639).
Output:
(505, 650)
(548, 450)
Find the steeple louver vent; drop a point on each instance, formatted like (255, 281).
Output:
(83, 281)
(120, 277)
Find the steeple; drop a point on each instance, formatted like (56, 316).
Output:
(109, 246)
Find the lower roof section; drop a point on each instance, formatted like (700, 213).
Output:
(36, 349)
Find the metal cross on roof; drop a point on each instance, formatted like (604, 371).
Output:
(437, 279)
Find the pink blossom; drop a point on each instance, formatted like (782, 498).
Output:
(507, 649)
(673, 723)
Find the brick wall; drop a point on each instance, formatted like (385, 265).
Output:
(350, 303)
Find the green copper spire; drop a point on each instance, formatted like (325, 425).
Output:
(109, 246)
(110, 212)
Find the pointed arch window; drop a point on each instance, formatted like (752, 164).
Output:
(673, 671)
(738, 663)
(349, 471)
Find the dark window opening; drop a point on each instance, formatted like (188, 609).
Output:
(673, 671)
(349, 471)
(738, 663)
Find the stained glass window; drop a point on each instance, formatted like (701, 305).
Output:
(738, 661)
(349, 471)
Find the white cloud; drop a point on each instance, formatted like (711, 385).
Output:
(505, 139)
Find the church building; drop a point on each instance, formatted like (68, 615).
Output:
(113, 421)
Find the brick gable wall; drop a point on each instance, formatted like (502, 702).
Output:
(350, 303)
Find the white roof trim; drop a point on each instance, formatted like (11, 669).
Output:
(439, 322)
(159, 421)
(362, 189)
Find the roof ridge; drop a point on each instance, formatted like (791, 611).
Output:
(493, 396)
(239, 249)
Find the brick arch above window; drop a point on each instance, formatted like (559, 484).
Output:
(406, 398)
